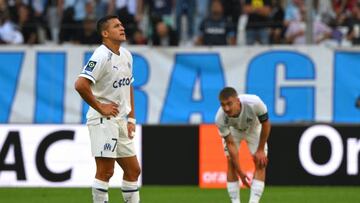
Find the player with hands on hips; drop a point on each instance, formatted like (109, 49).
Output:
(105, 83)
(243, 117)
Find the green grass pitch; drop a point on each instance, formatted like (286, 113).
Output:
(184, 194)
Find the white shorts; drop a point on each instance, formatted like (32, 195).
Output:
(252, 141)
(109, 138)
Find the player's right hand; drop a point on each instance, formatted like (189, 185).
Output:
(109, 109)
(244, 178)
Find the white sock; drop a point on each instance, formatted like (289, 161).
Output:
(257, 188)
(130, 192)
(234, 191)
(100, 191)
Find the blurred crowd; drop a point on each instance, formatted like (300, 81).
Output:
(182, 22)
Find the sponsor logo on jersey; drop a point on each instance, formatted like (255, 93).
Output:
(90, 66)
(107, 147)
(122, 82)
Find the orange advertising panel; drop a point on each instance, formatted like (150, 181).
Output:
(212, 166)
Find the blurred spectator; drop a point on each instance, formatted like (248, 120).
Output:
(185, 8)
(292, 11)
(202, 10)
(257, 27)
(161, 10)
(13, 6)
(295, 33)
(138, 38)
(164, 35)
(343, 10)
(90, 11)
(27, 25)
(78, 7)
(232, 10)
(276, 22)
(52, 15)
(127, 11)
(88, 35)
(36, 8)
(3, 5)
(337, 33)
(74, 12)
(8, 32)
(343, 6)
(68, 26)
(216, 29)
(102, 8)
(353, 24)
(324, 11)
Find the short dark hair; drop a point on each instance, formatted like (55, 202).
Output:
(227, 92)
(100, 25)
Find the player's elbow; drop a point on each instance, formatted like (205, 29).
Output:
(79, 86)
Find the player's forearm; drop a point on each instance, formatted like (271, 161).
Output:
(234, 158)
(264, 135)
(233, 152)
(132, 112)
(85, 92)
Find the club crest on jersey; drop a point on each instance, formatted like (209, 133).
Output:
(90, 66)
(107, 147)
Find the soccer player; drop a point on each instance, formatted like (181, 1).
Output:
(243, 117)
(106, 85)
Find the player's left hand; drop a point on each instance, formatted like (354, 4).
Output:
(244, 178)
(131, 130)
(260, 159)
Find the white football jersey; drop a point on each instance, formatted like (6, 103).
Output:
(247, 123)
(111, 75)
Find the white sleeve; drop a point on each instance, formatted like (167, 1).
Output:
(261, 110)
(130, 60)
(94, 67)
(131, 67)
(223, 129)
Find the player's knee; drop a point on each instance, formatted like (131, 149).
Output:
(133, 174)
(109, 174)
(136, 172)
(105, 174)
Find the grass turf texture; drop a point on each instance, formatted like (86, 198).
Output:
(184, 194)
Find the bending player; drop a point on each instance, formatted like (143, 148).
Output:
(243, 117)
